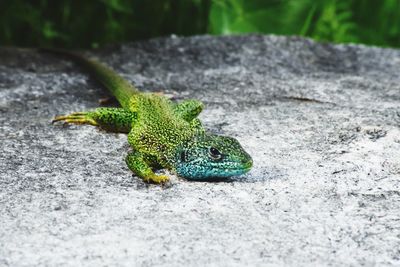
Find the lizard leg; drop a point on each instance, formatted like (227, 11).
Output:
(196, 125)
(189, 109)
(138, 164)
(110, 119)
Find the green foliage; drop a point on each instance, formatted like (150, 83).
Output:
(365, 21)
(80, 23)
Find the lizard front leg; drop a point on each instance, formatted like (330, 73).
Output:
(110, 119)
(139, 165)
(197, 126)
(188, 109)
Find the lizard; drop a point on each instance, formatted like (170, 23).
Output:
(161, 133)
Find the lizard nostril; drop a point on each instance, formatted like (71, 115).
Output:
(247, 162)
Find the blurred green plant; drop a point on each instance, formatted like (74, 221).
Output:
(342, 21)
(84, 24)
(80, 23)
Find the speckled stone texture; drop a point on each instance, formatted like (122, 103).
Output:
(321, 122)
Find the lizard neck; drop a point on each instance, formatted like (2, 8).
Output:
(172, 157)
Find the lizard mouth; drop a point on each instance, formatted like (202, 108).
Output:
(212, 171)
(221, 170)
(235, 166)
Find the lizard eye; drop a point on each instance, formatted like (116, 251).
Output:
(214, 153)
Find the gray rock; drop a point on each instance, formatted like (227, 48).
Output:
(320, 120)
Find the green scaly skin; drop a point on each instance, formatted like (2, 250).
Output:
(161, 133)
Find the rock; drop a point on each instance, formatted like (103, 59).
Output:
(321, 122)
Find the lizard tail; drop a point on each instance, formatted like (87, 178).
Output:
(118, 86)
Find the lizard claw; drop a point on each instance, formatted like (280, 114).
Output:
(157, 179)
(75, 118)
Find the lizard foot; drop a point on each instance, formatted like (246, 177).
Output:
(76, 118)
(157, 179)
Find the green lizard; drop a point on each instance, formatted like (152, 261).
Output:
(161, 133)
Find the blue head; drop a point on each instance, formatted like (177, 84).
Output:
(207, 157)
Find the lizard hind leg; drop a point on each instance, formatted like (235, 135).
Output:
(138, 164)
(110, 119)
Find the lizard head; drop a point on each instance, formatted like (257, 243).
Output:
(207, 157)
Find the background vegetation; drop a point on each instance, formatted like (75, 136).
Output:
(85, 24)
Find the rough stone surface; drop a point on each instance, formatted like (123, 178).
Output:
(320, 120)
